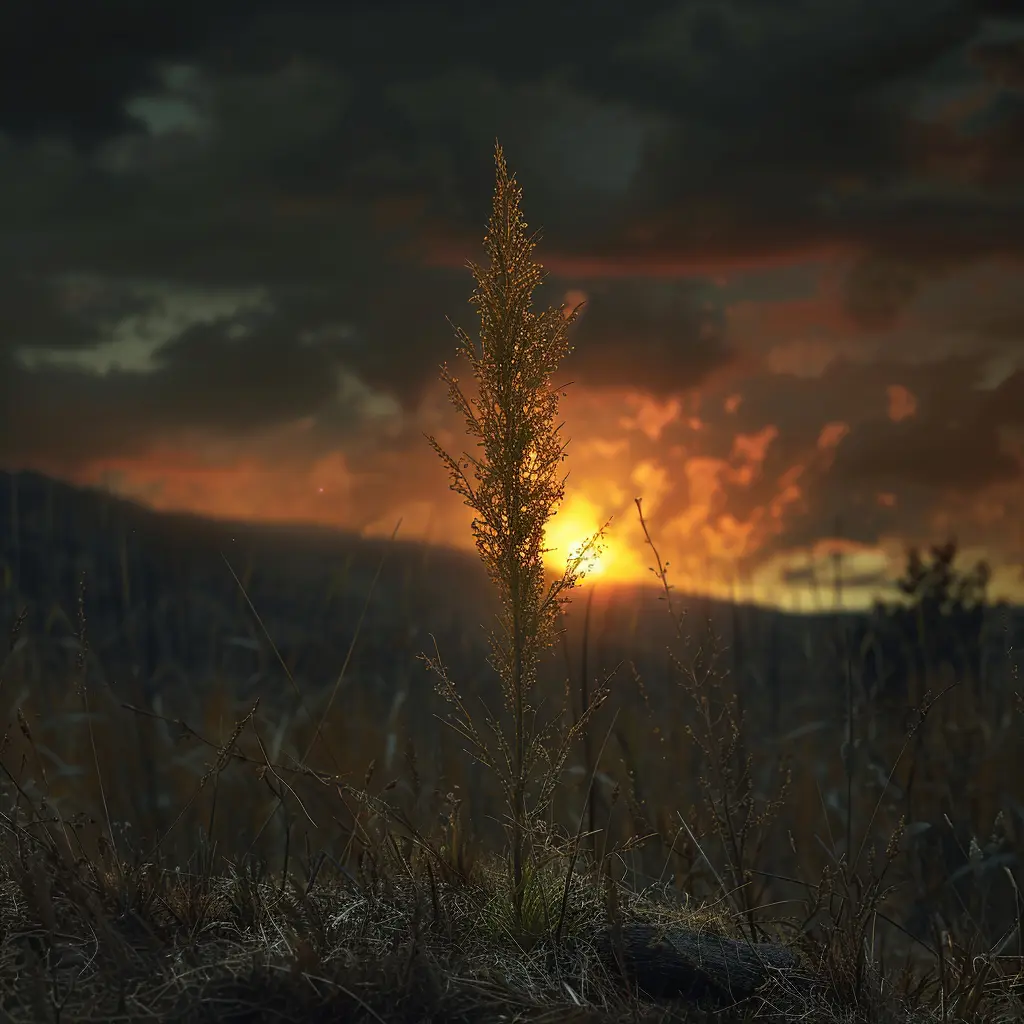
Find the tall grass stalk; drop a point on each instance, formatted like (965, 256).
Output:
(514, 484)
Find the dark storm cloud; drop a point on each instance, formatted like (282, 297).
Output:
(951, 455)
(954, 443)
(66, 68)
(672, 333)
(313, 151)
(70, 312)
(788, 116)
(255, 379)
(1002, 62)
(878, 288)
(760, 103)
(209, 376)
(952, 448)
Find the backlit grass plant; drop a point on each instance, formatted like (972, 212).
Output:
(514, 483)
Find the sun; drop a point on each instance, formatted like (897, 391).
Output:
(592, 564)
(568, 532)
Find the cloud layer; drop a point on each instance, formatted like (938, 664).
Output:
(232, 232)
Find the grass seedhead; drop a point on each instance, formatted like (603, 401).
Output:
(514, 485)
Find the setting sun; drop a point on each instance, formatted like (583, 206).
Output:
(568, 531)
(572, 528)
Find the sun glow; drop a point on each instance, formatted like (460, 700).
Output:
(572, 529)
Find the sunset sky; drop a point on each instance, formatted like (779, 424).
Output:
(231, 232)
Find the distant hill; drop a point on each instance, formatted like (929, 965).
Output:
(161, 602)
(159, 591)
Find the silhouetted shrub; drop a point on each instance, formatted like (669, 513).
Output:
(937, 628)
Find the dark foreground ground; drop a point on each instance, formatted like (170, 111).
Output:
(236, 800)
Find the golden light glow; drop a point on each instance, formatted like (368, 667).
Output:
(575, 524)
(567, 531)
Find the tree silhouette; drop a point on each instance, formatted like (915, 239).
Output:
(936, 627)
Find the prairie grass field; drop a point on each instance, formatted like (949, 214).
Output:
(174, 658)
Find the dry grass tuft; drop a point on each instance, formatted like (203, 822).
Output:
(514, 486)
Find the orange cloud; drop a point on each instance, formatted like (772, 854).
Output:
(650, 417)
(754, 447)
(902, 403)
(171, 479)
(831, 434)
(651, 482)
